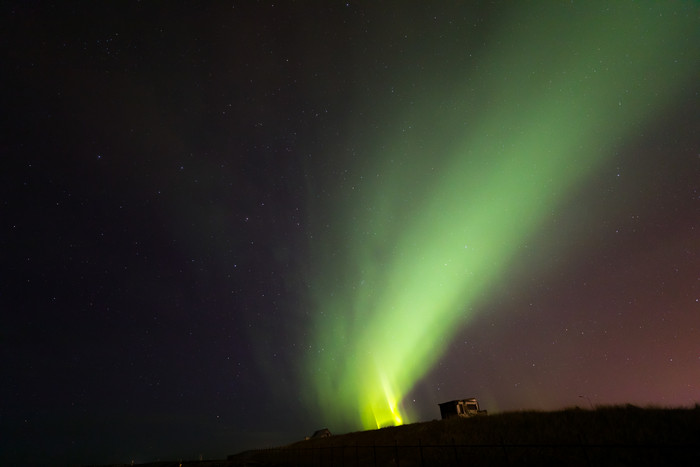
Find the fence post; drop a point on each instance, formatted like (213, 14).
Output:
(454, 448)
(585, 451)
(396, 453)
(505, 454)
(420, 447)
(374, 450)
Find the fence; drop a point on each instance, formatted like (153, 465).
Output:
(425, 455)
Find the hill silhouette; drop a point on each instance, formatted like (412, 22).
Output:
(607, 436)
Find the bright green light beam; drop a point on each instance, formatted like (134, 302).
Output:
(435, 218)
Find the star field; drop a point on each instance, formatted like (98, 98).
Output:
(226, 226)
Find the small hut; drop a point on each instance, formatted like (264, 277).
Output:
(460, 408)
(322, 433)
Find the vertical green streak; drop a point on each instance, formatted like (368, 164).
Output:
(435, 219)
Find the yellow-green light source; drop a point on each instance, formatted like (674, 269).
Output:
(422, 225)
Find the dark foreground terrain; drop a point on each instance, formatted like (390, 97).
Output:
(619, 436)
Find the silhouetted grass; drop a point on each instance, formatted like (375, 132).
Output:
(617, 435)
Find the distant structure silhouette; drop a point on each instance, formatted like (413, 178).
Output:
(322, 433)
(461, 408)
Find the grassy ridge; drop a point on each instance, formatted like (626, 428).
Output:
(607, 436)
(620, 435)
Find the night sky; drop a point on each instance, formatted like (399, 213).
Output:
(224, 226)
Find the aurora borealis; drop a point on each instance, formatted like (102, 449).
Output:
(228, 225)
(430, 221)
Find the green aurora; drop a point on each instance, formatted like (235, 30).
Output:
(425, 222)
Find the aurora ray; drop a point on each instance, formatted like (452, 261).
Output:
(426, 223)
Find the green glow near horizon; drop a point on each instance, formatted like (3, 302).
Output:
(429, 225)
